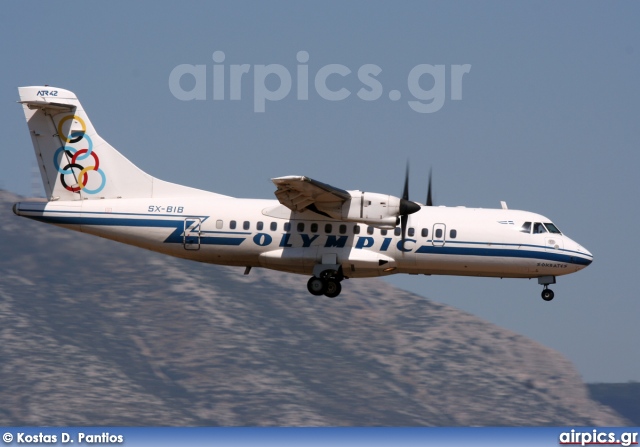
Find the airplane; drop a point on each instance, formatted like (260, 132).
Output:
(312, 228)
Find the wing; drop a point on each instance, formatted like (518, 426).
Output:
(299, 193)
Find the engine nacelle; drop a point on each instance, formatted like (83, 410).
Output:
(377, 210)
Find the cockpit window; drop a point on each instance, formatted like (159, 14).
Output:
(526, 227)
(538, 228)
(552, 228)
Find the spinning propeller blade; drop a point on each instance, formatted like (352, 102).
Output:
(429, 197)
(406, 206)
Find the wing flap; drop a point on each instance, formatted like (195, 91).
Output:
(298, 193)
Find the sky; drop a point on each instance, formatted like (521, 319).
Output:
(533, 103)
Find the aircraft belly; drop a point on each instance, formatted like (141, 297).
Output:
(355, 263)
(364, 263)
(470, 265)
(293, 260)
(529, 265)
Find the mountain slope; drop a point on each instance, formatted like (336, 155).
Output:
(622, 397)
(115, 335)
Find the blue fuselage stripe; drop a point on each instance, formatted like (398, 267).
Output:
(503, 253)
(178, 226)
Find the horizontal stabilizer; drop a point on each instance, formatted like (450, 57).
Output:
(47, 105)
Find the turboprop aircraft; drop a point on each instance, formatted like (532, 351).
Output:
(312, 228)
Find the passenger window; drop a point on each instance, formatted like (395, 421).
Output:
(397, 231)
(287, 226)
(439, 233)
(383, 232)
(246, 225)
(274, 226)
(356, 229)
(219, 224)
(369, 230)
(411, 232)
(526, 227)
(453, 234)
(300, 227)
(328, 228)
(232, 225)
(424, 232)
(259, 226)
(342, 229)
(314, 227)
(538, 228)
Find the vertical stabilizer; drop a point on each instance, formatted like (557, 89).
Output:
(74, 161)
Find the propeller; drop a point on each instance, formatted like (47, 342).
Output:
(429, 198)
(406, 206)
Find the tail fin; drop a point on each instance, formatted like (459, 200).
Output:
(75, 162)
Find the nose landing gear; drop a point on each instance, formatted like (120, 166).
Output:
(547, 294)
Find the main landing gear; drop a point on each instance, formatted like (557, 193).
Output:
(328, 284)
(547, 294)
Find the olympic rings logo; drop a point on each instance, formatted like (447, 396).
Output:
(75, 155)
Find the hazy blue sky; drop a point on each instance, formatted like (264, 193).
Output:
(549, 121)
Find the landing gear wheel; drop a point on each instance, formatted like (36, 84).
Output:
(547, 294)
(316, 286)
(333, 288)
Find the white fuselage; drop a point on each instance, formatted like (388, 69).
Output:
(263, 233)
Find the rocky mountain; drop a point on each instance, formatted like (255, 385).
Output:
(93, 332)
(622, 397)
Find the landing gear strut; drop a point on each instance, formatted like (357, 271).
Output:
(327, 284)
(547, 294)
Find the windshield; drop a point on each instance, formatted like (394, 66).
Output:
(539, 228)
(552, 228)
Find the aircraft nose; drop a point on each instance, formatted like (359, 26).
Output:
(586, 258)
